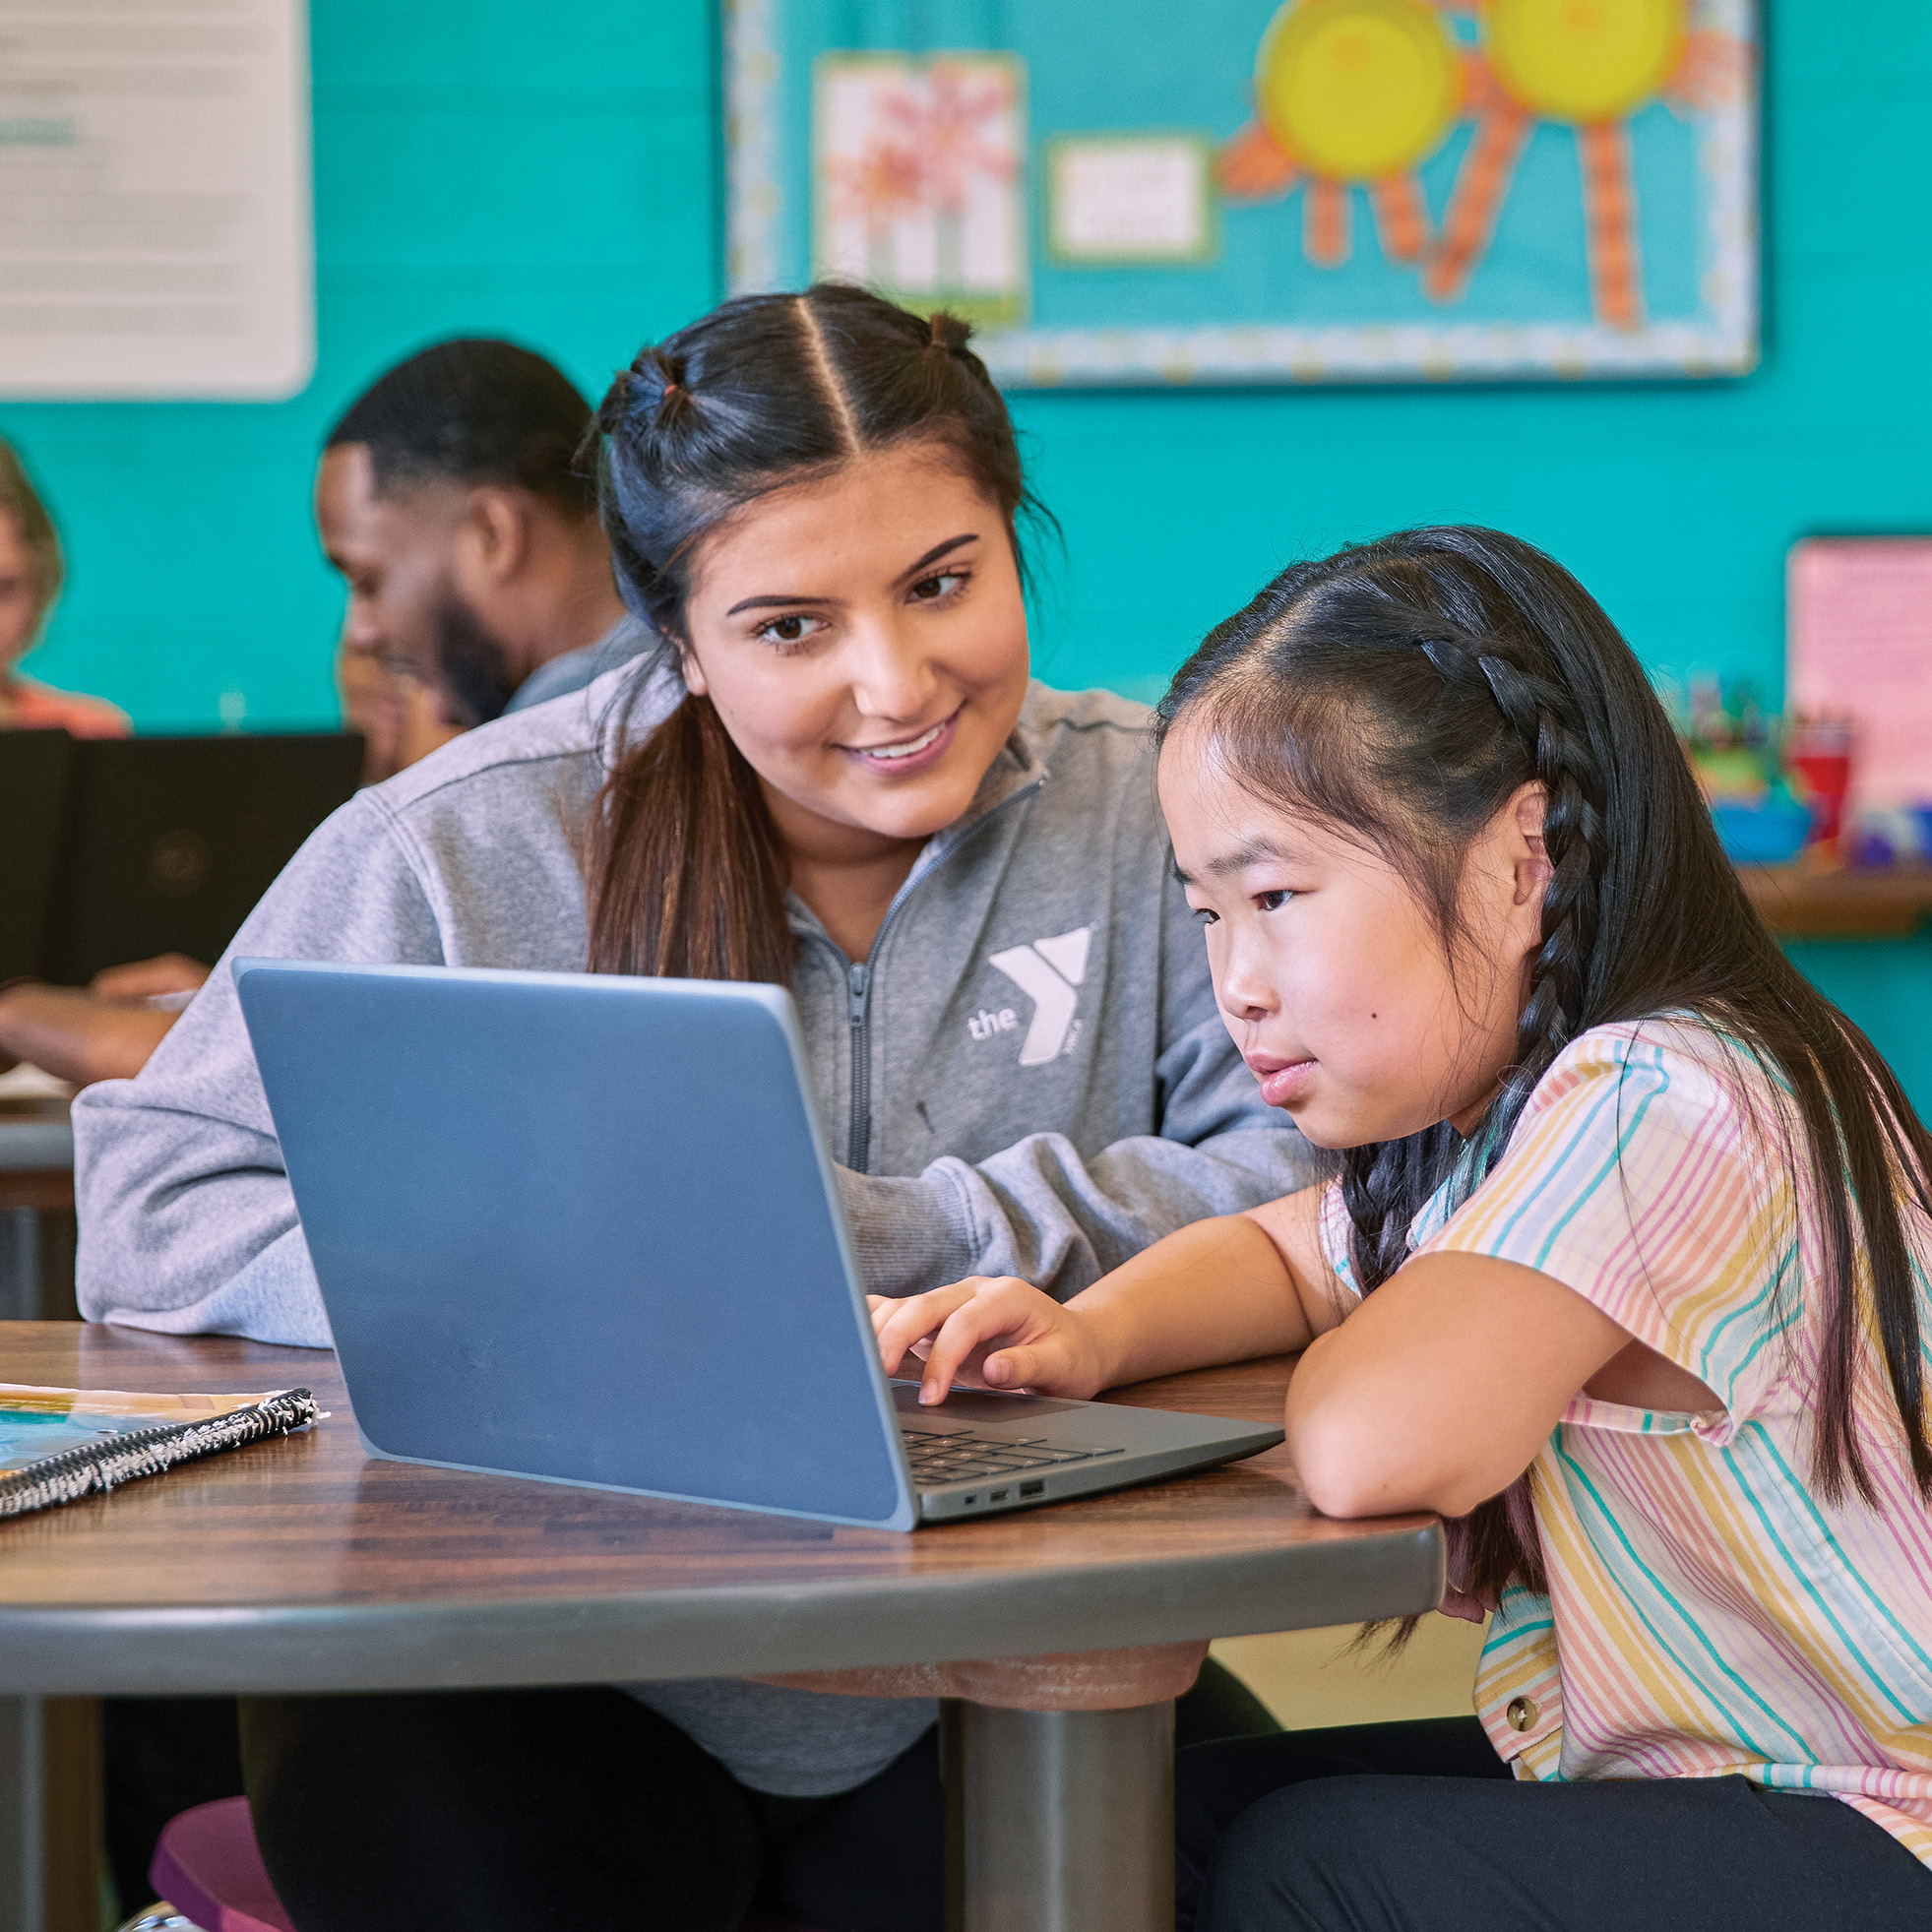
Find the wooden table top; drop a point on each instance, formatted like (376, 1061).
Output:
(302, 1564)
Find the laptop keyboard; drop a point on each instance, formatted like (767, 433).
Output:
(961, 1456)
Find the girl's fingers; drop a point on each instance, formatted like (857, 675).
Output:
(1015, 1368)
(966, 1332)
(915, 1318)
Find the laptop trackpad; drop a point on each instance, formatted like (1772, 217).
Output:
(977, 1409)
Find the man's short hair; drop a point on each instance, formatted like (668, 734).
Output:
(469, 412)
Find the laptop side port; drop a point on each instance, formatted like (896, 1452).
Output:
(1032, 1489)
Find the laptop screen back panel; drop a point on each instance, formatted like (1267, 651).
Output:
(171, 841)
(35, 768)
(585, 1235)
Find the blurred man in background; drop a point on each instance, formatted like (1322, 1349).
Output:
(450, 499)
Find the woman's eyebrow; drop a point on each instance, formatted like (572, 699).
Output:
(778, 603)
(937, 551)
(932, 556)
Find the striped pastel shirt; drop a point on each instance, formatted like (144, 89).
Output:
(1709, 1612)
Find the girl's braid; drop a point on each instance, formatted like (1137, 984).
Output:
(1542, 719)
(1545, 721)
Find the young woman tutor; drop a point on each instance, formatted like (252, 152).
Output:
(1624, 1272)
(838, 777)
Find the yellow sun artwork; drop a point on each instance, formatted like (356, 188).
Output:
(1348, 94)
(1589, 65)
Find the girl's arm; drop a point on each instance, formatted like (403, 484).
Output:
(1220, 1290)
(1444, 1385)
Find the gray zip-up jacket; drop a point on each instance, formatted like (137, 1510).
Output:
(1028, 1076)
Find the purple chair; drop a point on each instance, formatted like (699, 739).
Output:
(211, 1875)
(208, 1869)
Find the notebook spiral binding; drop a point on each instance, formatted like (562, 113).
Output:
(72, 1475)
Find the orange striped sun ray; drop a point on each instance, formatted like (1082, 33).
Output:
(1326, 231)
(1254, 166)
(1482, 184)
(1401, 216)
(1616, 272)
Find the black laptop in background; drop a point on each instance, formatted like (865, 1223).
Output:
(166, 844)
(36, 770)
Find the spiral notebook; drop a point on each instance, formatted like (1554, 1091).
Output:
(58, 1445)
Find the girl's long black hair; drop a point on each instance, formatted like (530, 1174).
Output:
(1402, 691)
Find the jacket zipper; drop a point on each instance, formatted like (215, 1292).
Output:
(858, 1011)
(858, 986)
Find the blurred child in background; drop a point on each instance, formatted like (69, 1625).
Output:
(31, 570)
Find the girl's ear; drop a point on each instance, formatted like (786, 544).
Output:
(1530, 856)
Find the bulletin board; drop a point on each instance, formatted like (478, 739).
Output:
(1243, 191)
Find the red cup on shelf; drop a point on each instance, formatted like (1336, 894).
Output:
(1817, 755)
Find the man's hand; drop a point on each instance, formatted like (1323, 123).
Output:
(167, 975)
(996, 1333)
(77, 1036)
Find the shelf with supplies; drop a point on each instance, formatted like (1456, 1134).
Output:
(1802, 901)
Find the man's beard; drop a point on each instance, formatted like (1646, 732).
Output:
(473, 665)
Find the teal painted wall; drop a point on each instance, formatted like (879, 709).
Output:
(544, 173)
(550, 174)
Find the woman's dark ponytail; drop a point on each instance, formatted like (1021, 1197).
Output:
(686, 876)
(686, 880)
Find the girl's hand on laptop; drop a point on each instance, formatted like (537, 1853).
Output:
(992, 1334)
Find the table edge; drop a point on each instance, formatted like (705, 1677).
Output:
(730, 1631)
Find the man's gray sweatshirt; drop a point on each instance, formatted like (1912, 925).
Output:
(1028, 1076)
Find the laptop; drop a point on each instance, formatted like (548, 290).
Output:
(169, 842)
(584, 1228)
(35, 771)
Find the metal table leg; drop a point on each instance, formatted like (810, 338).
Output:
(22, 1815)
(20, 1265)
(1064, 1819)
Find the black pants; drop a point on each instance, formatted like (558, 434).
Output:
(516, 1811)
(162, 1755)
(1420, 1828)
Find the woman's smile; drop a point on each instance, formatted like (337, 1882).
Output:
(905, 756)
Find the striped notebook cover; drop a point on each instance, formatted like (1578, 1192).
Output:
(57, 1445)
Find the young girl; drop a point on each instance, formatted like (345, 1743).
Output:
(1624, 1273)
(835, 774)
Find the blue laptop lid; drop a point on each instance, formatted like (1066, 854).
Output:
(579, 1228)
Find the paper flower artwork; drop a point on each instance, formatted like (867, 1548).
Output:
(919, 165)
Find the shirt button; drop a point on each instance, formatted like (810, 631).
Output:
(1522, 1714)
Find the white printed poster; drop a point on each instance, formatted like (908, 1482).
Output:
(156, 234)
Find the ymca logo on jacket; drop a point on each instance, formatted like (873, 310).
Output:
(1047, 971)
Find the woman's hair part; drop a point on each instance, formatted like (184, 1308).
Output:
(767, 393)
(20, 500)
(1402, 692)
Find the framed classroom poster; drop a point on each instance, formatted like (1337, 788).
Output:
(1244, 191)
(156, 236)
